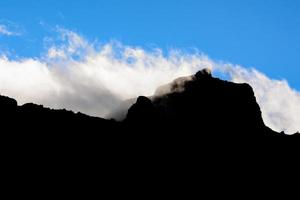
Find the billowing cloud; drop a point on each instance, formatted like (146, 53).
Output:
(94, 79)
(280, 104)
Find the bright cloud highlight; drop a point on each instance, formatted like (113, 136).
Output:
(82, 76)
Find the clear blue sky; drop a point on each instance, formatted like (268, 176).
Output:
(264, 34)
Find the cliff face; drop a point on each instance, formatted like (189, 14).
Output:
(204, 105)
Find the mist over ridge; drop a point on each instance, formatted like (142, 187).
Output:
(79, 75)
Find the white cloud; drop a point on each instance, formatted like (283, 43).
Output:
(79, 76)
(56, 53)
(76, 76)
(4, 30)
(280, 104)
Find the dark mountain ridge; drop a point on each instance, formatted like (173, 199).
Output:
(199, 104)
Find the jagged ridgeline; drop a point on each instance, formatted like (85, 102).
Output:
(198, 105)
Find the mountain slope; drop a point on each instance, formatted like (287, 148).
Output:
(204, 105)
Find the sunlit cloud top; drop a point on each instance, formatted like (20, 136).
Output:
(93, 78)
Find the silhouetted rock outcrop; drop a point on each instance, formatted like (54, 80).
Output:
(7, 105)
(142, 111)
(203, 106)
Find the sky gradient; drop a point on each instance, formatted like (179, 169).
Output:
(91, 55)
(253, 33)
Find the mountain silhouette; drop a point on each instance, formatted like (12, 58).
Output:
(195, 106)
(202, 105)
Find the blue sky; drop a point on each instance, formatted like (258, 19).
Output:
(253, 33)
